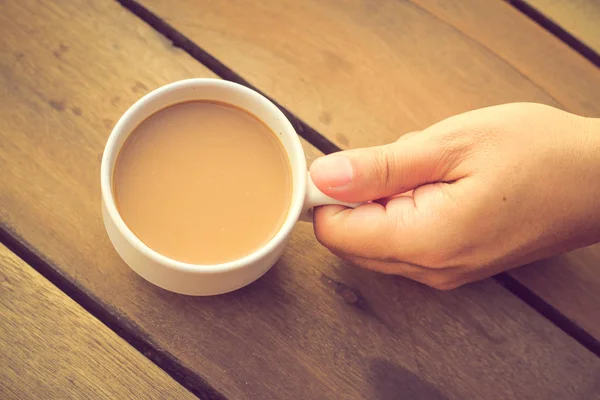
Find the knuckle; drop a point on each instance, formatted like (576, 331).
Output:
(442, 282)
(384, 161)
(458, 139)
(447, 285)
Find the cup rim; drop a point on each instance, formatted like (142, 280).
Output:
(296, 204)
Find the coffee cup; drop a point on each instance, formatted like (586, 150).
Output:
(204, 280)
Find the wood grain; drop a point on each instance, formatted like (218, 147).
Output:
(312, 327)
(50, 347)
(365, 72)
(581, 18)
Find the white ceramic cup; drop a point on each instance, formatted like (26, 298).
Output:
(203, 280)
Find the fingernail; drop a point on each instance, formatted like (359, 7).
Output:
(332, 171)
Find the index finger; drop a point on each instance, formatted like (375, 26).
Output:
(369, 231)
(406, 229)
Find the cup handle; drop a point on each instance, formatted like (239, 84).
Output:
(314, 197)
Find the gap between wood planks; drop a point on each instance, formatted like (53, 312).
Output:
(128, 331)
(135, 337)
(556, 30)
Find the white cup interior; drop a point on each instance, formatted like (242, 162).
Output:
(215, 90)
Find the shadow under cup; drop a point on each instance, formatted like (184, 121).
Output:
(192, 279)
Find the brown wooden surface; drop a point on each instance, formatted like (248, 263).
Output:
(363, 73)
(310, 328)
(581, 18)
(51, 348)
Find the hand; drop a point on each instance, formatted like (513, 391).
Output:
(468, 197)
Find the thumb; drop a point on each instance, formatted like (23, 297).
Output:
(377, 172)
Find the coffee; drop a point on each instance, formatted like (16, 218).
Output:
(203, 182)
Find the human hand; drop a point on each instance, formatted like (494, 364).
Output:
(466, 198)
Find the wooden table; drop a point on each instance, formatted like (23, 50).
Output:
(76, 322)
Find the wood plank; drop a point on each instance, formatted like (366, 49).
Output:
(50, 347)
(363, 73)
(580, 18)
(310, 328)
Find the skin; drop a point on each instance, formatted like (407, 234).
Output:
(469, 197)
